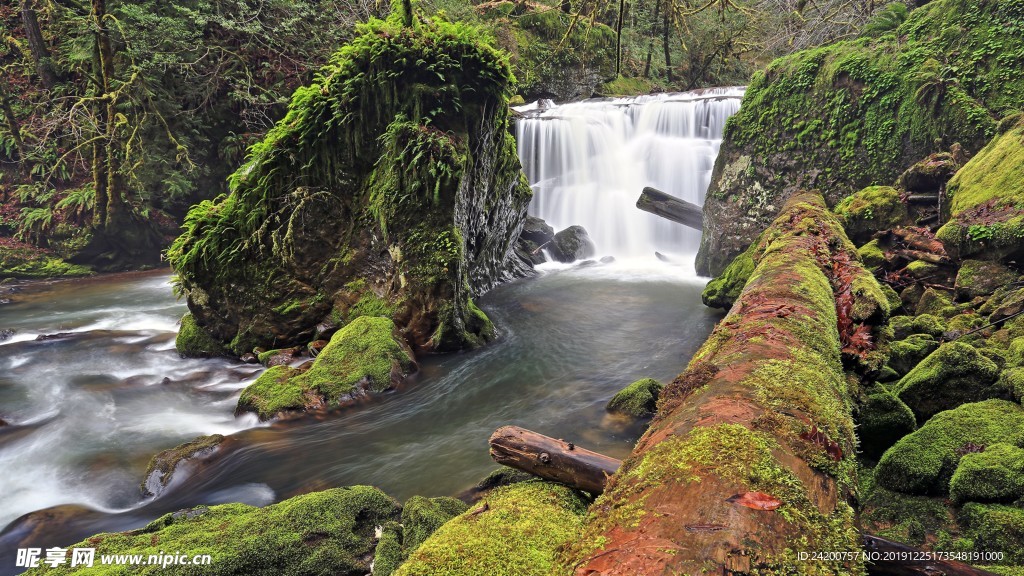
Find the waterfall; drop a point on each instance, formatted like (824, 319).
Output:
(588, 161)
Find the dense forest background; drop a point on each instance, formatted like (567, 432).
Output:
(119, 115)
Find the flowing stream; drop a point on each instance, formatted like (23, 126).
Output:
(89, 407)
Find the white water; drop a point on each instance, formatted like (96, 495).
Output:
(587, 163)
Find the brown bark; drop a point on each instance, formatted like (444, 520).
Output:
(912, 255)
(37, 45)
(12, 120)
(618, 38)
(552, 459)
(920, 241)
(671, 208)
(107, 173)
(750, 457)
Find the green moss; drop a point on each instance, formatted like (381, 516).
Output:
(323, 533)
(31, 263)
(978, 278)
(622, 86)
(265, 356)
(870, 210)
(516, 530)
(1015, 356)
(882, 420)
(165, 463)
(1012, 380)
(723, 291)
(388, 556)
(912, 520)
(364, 354)
(421, 517)
(986, 201)
(923, 461)
(995, 528)
(995, 475)
(905, 354)
(194, 341)
(872, 254)
(870, 304)
(928, 324)
(275, 391)
(936, 303)
(954, 374)
(922, 270)
(895, 302)
(639, 399)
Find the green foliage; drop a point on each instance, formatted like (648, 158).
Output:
(322, 533)
(888, 19)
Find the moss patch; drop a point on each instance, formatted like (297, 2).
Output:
(995, 528)
(923, 461)
(28, 262)
(515, 531)
(954, 374)
(275, 391)
(994, 475)
(979, 278)
(905, 354)
(724, 290)
(870, 210)
(194, 341)
(639, 399)
(882, 420)
(322, 533)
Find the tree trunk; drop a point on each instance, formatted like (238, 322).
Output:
(12, 121)
(650, 41)
(750, 459)
(37, 45)
(552, 459)
(618, 38)
(665, 43)
(671, 208)
(109, 175)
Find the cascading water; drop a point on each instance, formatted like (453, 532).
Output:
(587, 163)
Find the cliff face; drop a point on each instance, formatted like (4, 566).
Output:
(858, 113)
(391, 188)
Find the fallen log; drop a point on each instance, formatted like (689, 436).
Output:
(669, 207)
(920, 241)
(912, 255)
(552, 459)
(582, 469)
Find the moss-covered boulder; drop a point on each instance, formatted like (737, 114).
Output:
(986, 201)
(24, 261)
(421, 517)
(327, 533)
(923, 462)
(870, 210)
(274, 392)
(930, 174)
(994, 528)
(954, 374)
(722, 292)
(1012, 380)
(638, 400)
(905, 354)
(161, 468)
(905, 326)
(994, 475)
(392, 183)
(515, 530)
(388, 555)
(571, 244)
(194, 341)
(859, 112)
(881, 421)
(980, 278)
(937, 303)
(872, 254)
(910, 519)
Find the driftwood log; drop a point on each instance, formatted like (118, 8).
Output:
(552, 459)
(569, 464)
(667, 206)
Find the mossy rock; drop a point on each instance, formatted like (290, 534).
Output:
(962, 324)
(421, 517)
(872, 254)
(986, 202)
(515, 531)
(954, 374)
(905, 326)
(994, 528)
(895, 302)
(923, 270)
(29, 262)
(936, 303)
(911, 520)
(193, 341)
(923, 462)
(905, 354)
(329, 533)
(1015, 352)
(388, 555)
(275, 391)
(870, 210)
(980, 278)
(364, 355)
(724, 290)
(1012, 381)
(930, 174)
(638, 400)
(161, 468)
(882, 420)
(994, 475)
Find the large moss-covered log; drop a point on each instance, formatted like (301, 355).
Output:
(859, 112)
(750, 457)
(391, 188)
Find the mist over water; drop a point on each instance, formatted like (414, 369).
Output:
(588, 162)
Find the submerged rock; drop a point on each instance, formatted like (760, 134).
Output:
(638, 400)
(161, 468)
(194, 341)
(383, 192)
(572, 244)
